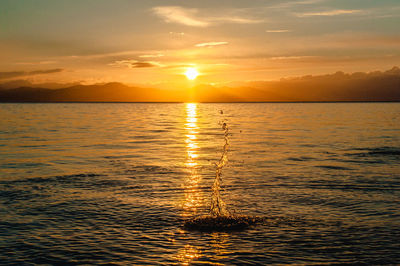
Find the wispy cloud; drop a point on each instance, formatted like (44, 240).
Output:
(291, 4)
(191, 17)
(183, 65)
(288, 58)
(329, 13)
(235, 19)
(308, 2)
(277, 31)
(15, 74)
(176, 33)
(135, 64)
(151, 55)
(36, 63)
(186, 16)
(210, 44)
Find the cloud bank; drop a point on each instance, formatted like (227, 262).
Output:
(16, 74)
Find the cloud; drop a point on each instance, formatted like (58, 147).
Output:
(277, 31)
(290, 58)
(186, 16)
(177, 33)
(184, 65)
(294, 4)
(135, 64)
(191, 17)
(308, 2)
(151, 55)
(36, 63)
(210, 44)
(336, 12)
(15, 74)
(235, 19)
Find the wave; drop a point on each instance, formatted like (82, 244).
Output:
(377, 151)
(333, 167)
(300, 159)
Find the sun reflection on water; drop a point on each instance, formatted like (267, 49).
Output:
(192, 201)
(191, 136)
(187, 254)
(219, 244)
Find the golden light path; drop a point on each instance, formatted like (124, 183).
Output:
(192, 193)
(194, 199)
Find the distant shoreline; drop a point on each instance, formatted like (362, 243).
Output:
(98, 102)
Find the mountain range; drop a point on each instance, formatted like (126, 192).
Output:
(360, 86)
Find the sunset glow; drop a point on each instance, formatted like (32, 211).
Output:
(163, 51)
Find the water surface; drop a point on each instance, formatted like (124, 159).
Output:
(113, 183)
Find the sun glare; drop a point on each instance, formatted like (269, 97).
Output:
(191, 73)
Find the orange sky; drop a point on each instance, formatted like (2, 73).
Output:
(152, 43)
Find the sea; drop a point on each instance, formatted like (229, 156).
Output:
(114, 183)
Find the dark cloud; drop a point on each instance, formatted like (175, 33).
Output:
(135, 64)
(15, 74)
(142, 64)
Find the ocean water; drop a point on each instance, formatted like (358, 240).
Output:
(114, 183)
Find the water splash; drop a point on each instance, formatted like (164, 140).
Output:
(218, 206)
(219, 218)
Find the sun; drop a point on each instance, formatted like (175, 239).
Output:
(191, 73)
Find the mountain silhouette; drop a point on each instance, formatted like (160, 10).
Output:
(359, 86)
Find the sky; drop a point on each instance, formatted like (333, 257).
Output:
(153, 42)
